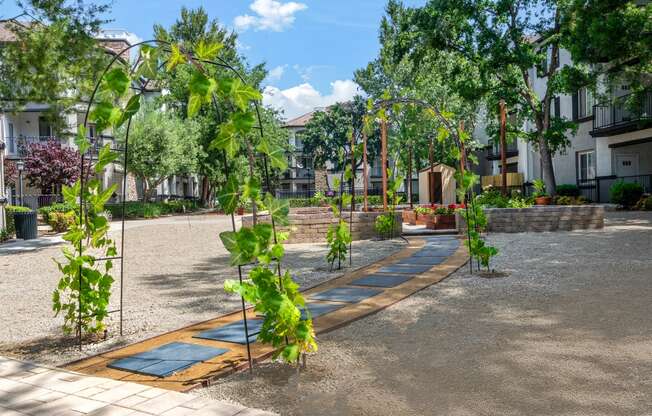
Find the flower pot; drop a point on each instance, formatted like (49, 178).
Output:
(543, 200)
(410, 217)
(421, 219)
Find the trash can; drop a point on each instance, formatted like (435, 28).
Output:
(26, 225)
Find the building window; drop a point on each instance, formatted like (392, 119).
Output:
(584, 103)
(586, 165)
(44, 127)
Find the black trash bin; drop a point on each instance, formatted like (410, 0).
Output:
(26, 225)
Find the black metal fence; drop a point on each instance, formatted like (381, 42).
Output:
(310, 193)
(35, 201)
(597, 190)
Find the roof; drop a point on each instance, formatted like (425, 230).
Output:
(300, 121)
(445, 167)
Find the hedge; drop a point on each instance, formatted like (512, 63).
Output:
(62, 208)
(152, 209)
(315, 202)
(10, 226)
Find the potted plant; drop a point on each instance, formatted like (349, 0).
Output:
(421, 215)
(541, 197)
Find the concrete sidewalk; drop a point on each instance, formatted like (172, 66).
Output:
(29, 389)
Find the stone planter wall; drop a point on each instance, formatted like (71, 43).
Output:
(310, 225)
(541, 218)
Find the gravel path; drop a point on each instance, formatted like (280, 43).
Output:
(174, 272)
(567, 332)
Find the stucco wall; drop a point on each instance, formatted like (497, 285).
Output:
(448, 185)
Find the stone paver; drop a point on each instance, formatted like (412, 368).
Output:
(30, 390)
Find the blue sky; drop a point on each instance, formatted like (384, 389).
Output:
(311, 46)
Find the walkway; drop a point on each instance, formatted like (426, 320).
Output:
(196, 355)
(28, 389)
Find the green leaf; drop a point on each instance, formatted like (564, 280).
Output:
(229, 196)
(194, 104)
(132, 107)
(81, 141)
(176, 58)
(243, 121)
(251, 189)
(208, 50)
(199, 84)
(148, 67)
(105, 114)
(276, 154)
(263, 233)
(291, 353)
(117, 81)
(227, 139)
(105, 157)
(242, 94)
(278, 210)
(278, 251)
(229, 240)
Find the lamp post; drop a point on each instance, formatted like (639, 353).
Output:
(20, 166)
(3, 197)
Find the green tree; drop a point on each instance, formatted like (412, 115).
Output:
(55, 58)
(503, 41)
(161, 145)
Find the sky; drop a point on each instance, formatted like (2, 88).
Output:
(311, 47)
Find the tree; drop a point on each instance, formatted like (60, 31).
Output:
(329, 132)
(504, 41)
(55, 58)
(613, 40)
(161, 145)
(50, 165)
(193, 27)
(11, 172)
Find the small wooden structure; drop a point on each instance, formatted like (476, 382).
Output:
(437, 185)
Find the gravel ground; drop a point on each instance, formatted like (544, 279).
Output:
(174, 272)
(567, 332)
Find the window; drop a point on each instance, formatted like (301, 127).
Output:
(91, 131)
(44, 127)
(584, 103)
(586, 165)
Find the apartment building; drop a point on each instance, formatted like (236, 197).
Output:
(613, 141)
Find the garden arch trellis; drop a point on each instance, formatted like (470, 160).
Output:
(386, 103)
(87, 159)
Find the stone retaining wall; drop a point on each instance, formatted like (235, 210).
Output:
(542, 218)
(310, 225)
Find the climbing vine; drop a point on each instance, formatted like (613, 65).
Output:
(84, 291)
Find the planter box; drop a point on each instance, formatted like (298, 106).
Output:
(410, 217)
(440, 222)
(421, 219)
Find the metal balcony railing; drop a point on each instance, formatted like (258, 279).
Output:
(626, 113)
(16, 147)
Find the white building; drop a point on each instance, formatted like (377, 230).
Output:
(612, 142)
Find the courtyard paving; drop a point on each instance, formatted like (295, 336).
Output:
(175, 268)
(566, 332)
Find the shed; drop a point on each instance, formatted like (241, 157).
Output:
(437, 185)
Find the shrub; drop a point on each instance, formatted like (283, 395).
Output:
(60, 208)
(644, 204)
(569, 200)
(4, 235)
(384, 225)
(11, 227)
(61, 221)
(625, 194)
(492, 198)
(568, 190)
(138, 209)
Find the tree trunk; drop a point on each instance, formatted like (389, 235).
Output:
(503, 147)
(205, 191)
(365, 185)
(410, 175)
(383, 151)
(547, 168)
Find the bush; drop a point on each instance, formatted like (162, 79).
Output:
(59, 208)
(568, 190)
(493, 198)
(61, 221)
(569, 200)
(135, 209)
(11, 227)
(644, 204)
(384, 225)
(625, 194)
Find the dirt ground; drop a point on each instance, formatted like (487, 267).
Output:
(568, 331)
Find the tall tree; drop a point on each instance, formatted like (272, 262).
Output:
(54, 58)
(503, 40)
(161, 145)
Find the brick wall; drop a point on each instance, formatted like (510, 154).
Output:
(311, 225)
(542, 218)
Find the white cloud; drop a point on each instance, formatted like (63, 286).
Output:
(276, 73)
(306, 72)
(304, 98)
(270, 15)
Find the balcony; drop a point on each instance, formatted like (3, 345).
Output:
(16, 147)
(624, 115)
(493, 153)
